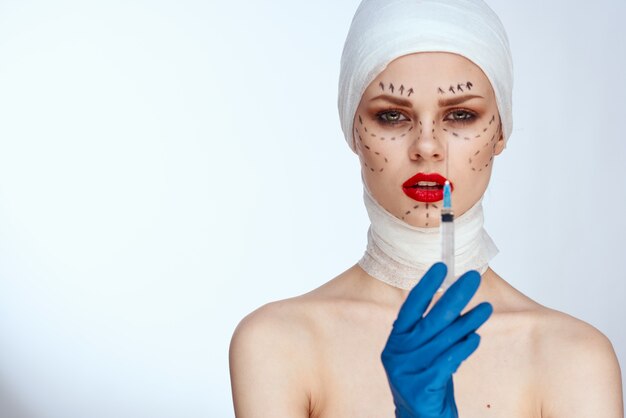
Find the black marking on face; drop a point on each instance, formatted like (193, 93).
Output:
(491, 158)
(426, 223)
(493, 117)
(469, 85)
(407, 212)
(466, 138)
(445, 130)
(365, 127)
(486, 164)
(393, 138)
(373, 134)
(452, 89)
(360, 139)
(366, 147)
(372, 169)
(381, 170)
(411, 128)
(440, 91)
(382, 138)
(470, 160)
(410, 91)
(477, 136)
(420, 122)
(376, 152)
(416, 206)
(455, 134)
(402, 218)
(382, 86)
(360, 120)
(475, 154)
(435, 206)
(403, 135)
(458, 87)
(365, 163)
(427, 214)
(473, 169)
(485, 130)
(426, 205)
(391, 87)
(386, 160)
(486, 143)
(401, 89)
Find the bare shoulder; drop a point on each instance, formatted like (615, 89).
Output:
(270, 361)
(579, 372)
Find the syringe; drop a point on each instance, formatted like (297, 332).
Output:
(447, 235)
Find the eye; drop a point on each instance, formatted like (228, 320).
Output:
(460, 116)
(391, 117)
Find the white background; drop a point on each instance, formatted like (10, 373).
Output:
(166, 167)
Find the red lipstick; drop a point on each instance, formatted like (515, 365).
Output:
(425, 187)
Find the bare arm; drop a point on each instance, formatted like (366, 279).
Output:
(583, 376)
(268, 367)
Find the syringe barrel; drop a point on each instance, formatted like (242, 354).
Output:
(447, 249)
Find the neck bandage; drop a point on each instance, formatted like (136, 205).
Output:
(399, 254)
(381, 31)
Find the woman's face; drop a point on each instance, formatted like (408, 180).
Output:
(417, 107)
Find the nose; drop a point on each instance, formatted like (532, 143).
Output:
(426, 144)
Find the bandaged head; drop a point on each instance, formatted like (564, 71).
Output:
(382, 31)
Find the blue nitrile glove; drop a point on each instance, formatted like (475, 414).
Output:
(422, 352)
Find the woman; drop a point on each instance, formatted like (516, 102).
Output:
(424, 96)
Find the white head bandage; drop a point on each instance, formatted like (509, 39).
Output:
(381, 31)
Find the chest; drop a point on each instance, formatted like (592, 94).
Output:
(495, 381)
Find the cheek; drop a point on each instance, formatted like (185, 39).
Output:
(475, 146)
(375, 147)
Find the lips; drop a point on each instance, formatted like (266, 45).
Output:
(425, 187)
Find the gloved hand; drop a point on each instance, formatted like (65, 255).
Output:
(422, 352)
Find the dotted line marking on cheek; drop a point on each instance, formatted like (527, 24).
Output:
(476, 153)
(360, 120)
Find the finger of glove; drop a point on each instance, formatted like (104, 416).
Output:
(448, 307)
(419, 298)
(450, 360)
(468, 323)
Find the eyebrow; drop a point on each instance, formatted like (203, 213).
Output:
(442, 102)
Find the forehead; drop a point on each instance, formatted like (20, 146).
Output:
(425, 70)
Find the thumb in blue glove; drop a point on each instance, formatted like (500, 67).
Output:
(422, 352)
